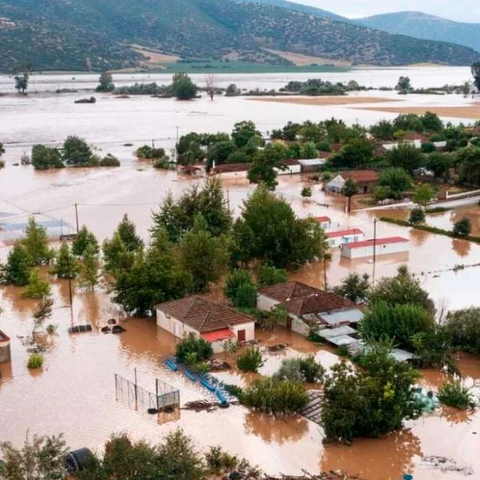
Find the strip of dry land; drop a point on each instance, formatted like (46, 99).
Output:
(322, 101)
(471, 112)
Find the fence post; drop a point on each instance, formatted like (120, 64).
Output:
(156, 390)
(135, 390)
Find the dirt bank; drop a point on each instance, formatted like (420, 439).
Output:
(471, 112)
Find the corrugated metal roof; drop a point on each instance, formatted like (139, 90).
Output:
(378, 241)
(344, 233)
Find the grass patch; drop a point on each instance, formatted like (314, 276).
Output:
(437, 210)
(428, 228)
(454, 394)
(35, 360)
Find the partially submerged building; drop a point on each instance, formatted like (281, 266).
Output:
(381, 246)
(309, 309)
(214, 322)
(5, 350)
(366, 181)
(342, 237)
(325, 222)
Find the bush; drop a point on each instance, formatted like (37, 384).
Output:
(149, 153)
(276, 396)
(354, 287)
(454, 394)
(369, 402)
(290, 370)
(463, 327)
(35, 360)
(396, 322)
(234, 281)
(162, 164)
(45, 158)
(270, 276)
(234, 390)
(109, 161)
(251, 360)
(417, 216)
(246, 296)
(191, 345)
(462, 228)
(306, 192)
(312, 371)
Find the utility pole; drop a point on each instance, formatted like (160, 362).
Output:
(374, 248)
(76, 217)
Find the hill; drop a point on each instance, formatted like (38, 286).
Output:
(102, 34)
(429, 27)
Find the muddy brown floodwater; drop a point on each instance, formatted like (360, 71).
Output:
(75, 394)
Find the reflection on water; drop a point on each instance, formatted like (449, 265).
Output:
(279, 430)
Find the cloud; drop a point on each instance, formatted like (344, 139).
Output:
(458, 10)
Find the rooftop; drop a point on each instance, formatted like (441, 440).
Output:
(301, 299)
(291, 161)
(323, 219)
(378, 241)
(203, 315)
(344, 233)
(361, 175)
(231, 168)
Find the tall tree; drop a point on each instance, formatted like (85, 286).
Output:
(243, 132)
(37, 286)
(266, 164)
(423, 195)
(36, 244)
(476, 75)
(183, 87)
(21, 75)
(82, 240)
(105, 83)
(349, 190)
(89, 276)
(17, 269)
(66, 265)
(127, 231)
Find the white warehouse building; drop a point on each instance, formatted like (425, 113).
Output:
(383, 246)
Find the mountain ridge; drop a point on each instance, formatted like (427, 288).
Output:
(95, 35)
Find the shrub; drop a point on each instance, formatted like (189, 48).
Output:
(290, 370)
(270, 275)
(454, 394)
(462, 228)
(109, 161)
(396, 322)
(162, 164)
(37, 287)
(306, 192)
(150, 153)
(463, 327)
(246, 296)
(35, 360)
(251, 360)
(276, 396)
(233, 282)
(191, 345)
(417, 216)
(234, 390)
(312, 371)
(354, 287)
(369, 402)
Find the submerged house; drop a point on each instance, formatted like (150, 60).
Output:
(5, 352)
(342, 237)
(309, 308)
(383, 246)
(366, 181)
(214, 322)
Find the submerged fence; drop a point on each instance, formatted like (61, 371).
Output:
(165, 399)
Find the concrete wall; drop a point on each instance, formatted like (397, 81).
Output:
(266, 303)
(230, 175)
(337, 241)
(174, 326)
(249, 330)
(291, 170)
(299, 326)
(399, 247)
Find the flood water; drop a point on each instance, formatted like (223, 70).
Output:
(75, 391)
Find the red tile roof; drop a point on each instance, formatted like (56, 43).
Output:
(231, 168)
(378, 241)
(345, 233)
(361, 176)
(203, 315)
(217, 335)
(301, 299)
(291, 161)
(415, 136)
(323, 219)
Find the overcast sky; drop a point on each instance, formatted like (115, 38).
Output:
(459, 10)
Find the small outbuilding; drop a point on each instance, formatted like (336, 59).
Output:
(381, 246)
(5, 351)
(214, 322)
(311, 164)
(231, 170)
(292, 167)
(342, 237)
(325, 222)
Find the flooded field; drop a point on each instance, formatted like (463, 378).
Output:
(75, 392)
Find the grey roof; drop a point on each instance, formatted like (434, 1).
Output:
(352, 315)
(343, 340)
(329, 333)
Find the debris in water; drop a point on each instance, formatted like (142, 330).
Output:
(337, 475)
(218, 366)
(445, 464)
(118, 329)
(200, 406)
(112, 321)
(106, 329)
(280, 347)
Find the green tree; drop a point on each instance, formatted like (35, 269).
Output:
(250, 360)
(116, 256)
(349, 190)
(37, 287)
(76, 151)
(404, 85)
(267, 275)
(409, 122)
(468, 164)
(401, 289)
(266, 164)
(45, 158)
(308, 150)
(423, 195)
(417, 216)
(306, 192)
(17, 269)
(36, 244)
(407, 157)
(183, 88)
(105, 83)
(82, 240)
(89, 275)
(127, 232)
(440, 164)
(270, 232)
(40, 458)
(21, 75)
(219, 153)
(234, 281)
(383, 130)
(66, 265)
(369, 402)
(246, 296)
(191, 345)
(463, 327)
(356, 153)
(476, 74)
(203, 256)
(457, 395)
(396, 180)
(431, 122)
(355, 287)
(243, 132)
(398, 323)
(153, 278)
(463, 227)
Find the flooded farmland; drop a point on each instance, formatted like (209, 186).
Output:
(75, 391)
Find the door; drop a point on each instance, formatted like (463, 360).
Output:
(289, 323)
(241, 335)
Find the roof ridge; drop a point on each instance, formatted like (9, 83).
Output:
(195, 298)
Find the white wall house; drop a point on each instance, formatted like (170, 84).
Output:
(342, 237)
(383, 246)
(293, 167)
(209, 320)
(325, 222)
